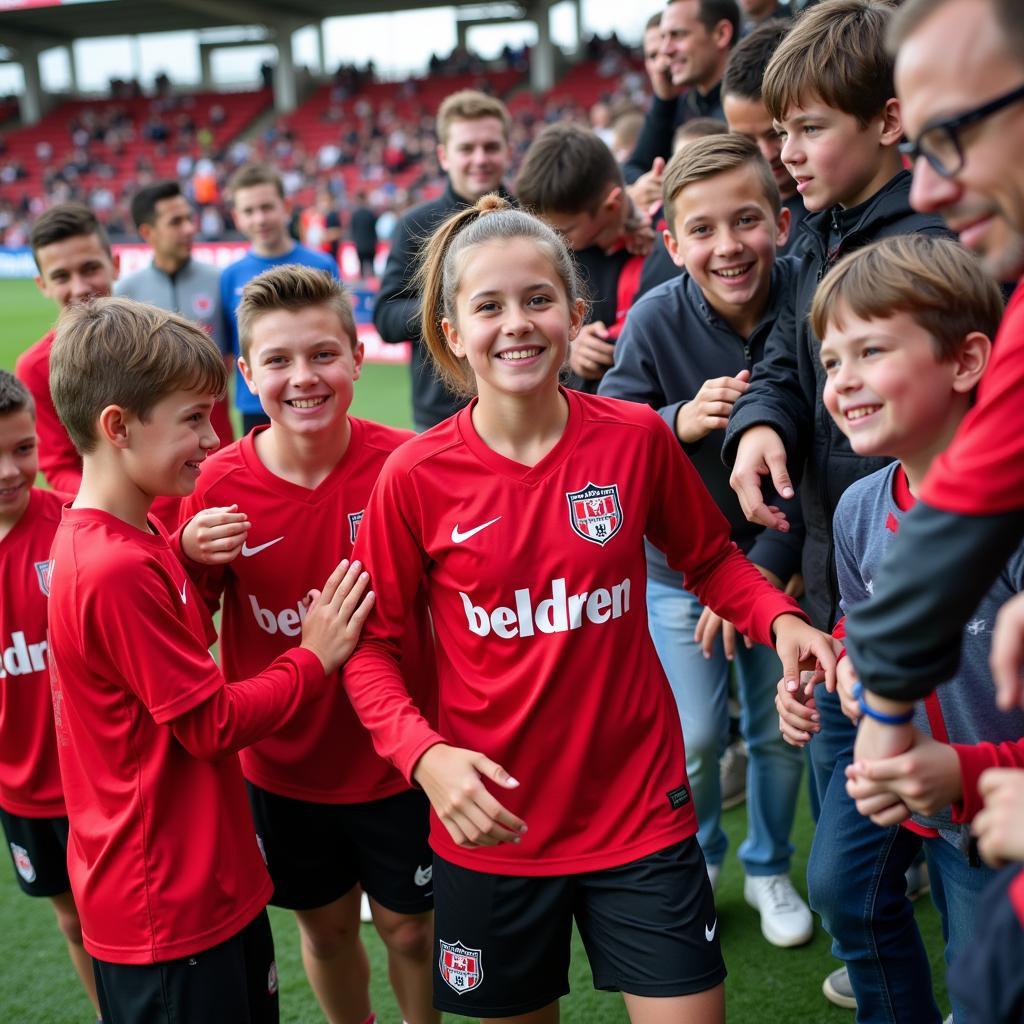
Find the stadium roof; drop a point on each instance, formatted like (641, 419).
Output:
(57, 24)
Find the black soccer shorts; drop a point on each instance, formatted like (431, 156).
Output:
(316, 853)
(234, 982)
(502, 942)
(39, 851)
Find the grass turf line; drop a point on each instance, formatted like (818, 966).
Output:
(765, 984)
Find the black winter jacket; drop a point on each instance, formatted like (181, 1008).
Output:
(786, 386)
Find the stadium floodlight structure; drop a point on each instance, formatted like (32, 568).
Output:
(28, 27)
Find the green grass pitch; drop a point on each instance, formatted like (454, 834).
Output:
(765, 985)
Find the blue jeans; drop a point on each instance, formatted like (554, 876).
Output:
(856, 881)
(701, 690)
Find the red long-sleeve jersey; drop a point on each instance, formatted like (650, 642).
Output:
(536, 581)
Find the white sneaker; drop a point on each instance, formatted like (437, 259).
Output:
(732, 775)
(714, 870)
(364, 910)
(785, 918)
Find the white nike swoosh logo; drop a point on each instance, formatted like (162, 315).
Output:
(184, 592)
(458, 536)
(248, 552)
(709, 933)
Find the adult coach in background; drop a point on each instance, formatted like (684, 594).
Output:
(472, 146)
(696, 38)
(166, 221)
(967, 136)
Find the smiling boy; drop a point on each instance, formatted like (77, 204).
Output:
(162, 856)
(687, 350)
(330, 814)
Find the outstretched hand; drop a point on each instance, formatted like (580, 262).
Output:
(761, 453)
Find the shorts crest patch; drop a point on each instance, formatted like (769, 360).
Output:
(43, 572)
(272, 978)
(595, 513)
(23, 863)
(462, 968)
(354, 519)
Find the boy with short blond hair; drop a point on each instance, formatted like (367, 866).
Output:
(687, 350)
(330, 815)
(905, 325)
(32, 811)
(163, 860)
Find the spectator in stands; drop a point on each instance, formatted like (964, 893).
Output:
(261, 214)
(696, 37)
(473, 147)
(174, 281)
(363, 229)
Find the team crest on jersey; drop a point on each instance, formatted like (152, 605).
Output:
(43, 572)
(23, 863)
(202, 304)
(595, 512)
(354, 519)
(461, 968)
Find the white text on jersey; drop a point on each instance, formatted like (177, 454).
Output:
(288, 621)
(22, 658)
(555, 614)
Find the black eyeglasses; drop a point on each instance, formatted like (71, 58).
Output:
(939, 142)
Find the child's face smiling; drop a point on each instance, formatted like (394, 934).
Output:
(303, 365)
(19, 463)
(726, 234)
(166, 448)
(513, 320)
(886, 388)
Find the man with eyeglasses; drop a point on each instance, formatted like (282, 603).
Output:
(965, 134)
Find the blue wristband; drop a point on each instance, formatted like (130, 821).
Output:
(879, 716)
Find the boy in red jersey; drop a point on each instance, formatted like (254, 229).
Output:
(31, 798)
(525, 517)
(330, 813)
(162, 856)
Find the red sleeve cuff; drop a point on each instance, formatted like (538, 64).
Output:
(974, 759)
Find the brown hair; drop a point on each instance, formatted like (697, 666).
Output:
(443, 260)
(251, 175)
(934, 280)
(14, 396)
(835, 52)
(715, 154)
(63, 221)
(698, 128)
(567, 169)
(470, 105)
(291, 287)
(122, 352)
(913, 13)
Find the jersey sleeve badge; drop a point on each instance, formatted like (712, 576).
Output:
(595, 513)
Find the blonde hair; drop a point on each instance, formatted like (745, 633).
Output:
(291, 287)
(443, 260)
(470, 105)
(935, 281)
(121, 352)
(715, 154)
(836, 52)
